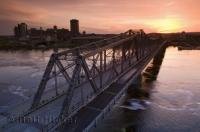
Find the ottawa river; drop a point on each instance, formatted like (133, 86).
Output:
(174, 102)
(173, 105)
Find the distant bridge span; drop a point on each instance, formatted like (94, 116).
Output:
(81, 84)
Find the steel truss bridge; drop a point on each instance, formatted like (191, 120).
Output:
(80, 83)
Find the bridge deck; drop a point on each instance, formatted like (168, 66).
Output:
(99, 105)
(87, 104)
(51, 110)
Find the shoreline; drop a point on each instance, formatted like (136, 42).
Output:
(11, 44)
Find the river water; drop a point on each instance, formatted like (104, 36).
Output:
(173, 105)
(174, 102)
(20, 73)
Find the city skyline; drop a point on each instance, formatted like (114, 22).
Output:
(24, 33)
(103, 16)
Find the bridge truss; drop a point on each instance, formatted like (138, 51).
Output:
(89, 69)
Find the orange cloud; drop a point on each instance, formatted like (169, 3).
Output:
(105, 15)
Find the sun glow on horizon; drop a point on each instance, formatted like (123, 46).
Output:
(167, 25)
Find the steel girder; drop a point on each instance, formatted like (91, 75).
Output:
(43, 82)
(93, 61)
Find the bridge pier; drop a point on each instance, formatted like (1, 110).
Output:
(151, 72)
(137, 82)
(135, 90)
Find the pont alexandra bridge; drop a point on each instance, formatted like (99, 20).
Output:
(80, 85)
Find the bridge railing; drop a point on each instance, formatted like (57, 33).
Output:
(88, 70)
(77, 107)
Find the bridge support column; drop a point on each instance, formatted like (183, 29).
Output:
(137, 83)
(151, 72)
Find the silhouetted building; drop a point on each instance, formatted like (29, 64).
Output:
(63, 34)
(21, 30)
(74, 27)
(16, 31)
(36, 33)
(55, 34)
(51, 34)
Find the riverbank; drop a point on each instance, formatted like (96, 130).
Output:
(188, 48)
(10, 43)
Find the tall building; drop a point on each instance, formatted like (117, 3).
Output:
(74, 27)
(16, 31)
(21, 30)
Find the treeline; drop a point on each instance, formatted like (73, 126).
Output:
(8, 43)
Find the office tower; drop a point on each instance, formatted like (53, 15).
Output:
(74, 27)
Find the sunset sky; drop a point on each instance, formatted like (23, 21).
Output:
(103, 16)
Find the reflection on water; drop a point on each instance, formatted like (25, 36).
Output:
(137, 97)
(20, 73)
(173, 102)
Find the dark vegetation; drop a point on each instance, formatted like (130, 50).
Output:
(10, 43)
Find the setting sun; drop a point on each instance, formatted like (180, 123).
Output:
(167, 25)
